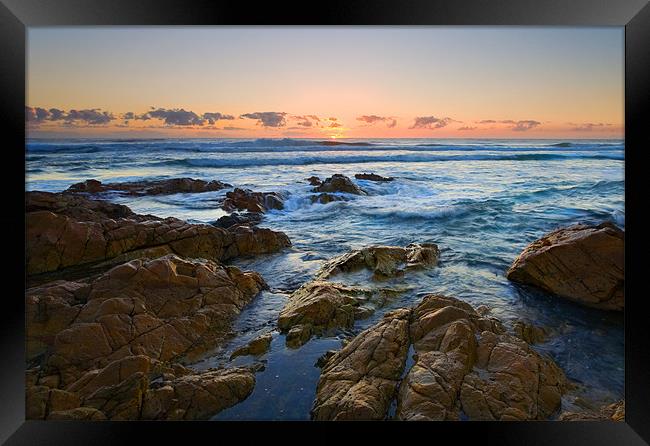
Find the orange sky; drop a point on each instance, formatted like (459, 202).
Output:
(437, 82)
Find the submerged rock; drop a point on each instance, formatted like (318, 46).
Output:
(318, 307)
(465, 365)
(73, 234)
(166, 309)
(531, 333)
(359, 382)
(384, 261)
(339, 183)
(580, 263)
(372, 177)
(256, 347)
(245, 199)
(610, 412)
(325, 198)
(157, 187)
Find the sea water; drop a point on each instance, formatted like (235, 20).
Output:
(480, 201)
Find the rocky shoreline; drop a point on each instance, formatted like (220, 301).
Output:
(119, 305)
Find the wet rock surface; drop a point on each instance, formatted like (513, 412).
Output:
(245, 199)
(238, 219)
(339, 183)
(325, 198)
(372, 177)
(167, 309)
(581, 263)
(360, 381)
(384, 261)
(313, 180)
(466, 366)
(610, 412)
(157, 187)
(317, 307)
(531, 333)
(73, 232)
(256, 347)
(141, 388)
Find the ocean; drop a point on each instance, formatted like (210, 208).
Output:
(481, 201)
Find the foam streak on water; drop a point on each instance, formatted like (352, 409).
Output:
(481, 201)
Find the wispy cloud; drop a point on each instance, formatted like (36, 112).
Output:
(522, 126)
(467, 127)
(374, 119)
(517, 126)
(588, 126)
(268, 119)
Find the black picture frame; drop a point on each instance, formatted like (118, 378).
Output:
(17, 15)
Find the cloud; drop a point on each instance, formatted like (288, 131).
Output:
(89, 116)
(522, 126)
(430, 122)
(466, 127)
(335, 125)
(374, 119)
(36, 114)
(128, 115)
(588, 126)
(307, 120)
(176, 116)
(213, 117)
(232, 128)
(56, 114)
(93, 116)
(268, 119)
(517, 126)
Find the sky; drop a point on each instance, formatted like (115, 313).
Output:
(325, 82)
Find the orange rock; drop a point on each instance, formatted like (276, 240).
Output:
(580, 263)
(86, 238)
(164, 308)
(359, 382)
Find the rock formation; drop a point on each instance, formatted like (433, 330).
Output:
(580, 263)
(140, 388)
(610, 412)
(256, 347)
(372, 177)
(237, 219)
(73, 233)
(317, 307)
(244, 199)
(384, 261)
(339, 183)
(466, 366)
(167, 309)
(158, 187)
(359, 382)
